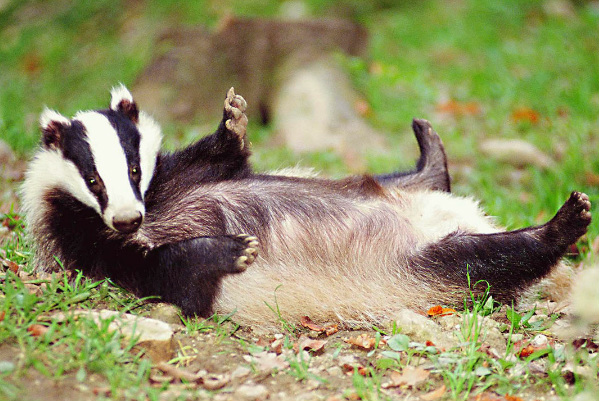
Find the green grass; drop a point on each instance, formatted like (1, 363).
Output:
(500, 56)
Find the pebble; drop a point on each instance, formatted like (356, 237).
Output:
(539, 341)
(251, 392)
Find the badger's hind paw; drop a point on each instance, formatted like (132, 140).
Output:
(236, 119)
(573, 218)
(249, 252)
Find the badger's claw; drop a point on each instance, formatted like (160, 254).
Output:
(236, 120)
(248, 254)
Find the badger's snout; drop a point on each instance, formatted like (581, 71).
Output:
(127, 222)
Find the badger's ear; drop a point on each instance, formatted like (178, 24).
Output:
(122, 101)
(52, 125)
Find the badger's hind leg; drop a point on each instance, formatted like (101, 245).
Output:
(188, 273)
(431, 171)
(509, 261)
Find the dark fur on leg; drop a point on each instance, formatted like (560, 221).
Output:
(188, 273)
(431, 171)
(220, 156)
(507, 261)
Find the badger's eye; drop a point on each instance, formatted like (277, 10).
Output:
(135, 173)
(93, 184)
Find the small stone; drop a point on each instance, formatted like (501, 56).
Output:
(335, 371)
(515, 337)
(6, 366)
(166, 313)
(251, 392)
(240, 372)
(539, 341)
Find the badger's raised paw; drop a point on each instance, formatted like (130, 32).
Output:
(573, 218)
(248, 252)
(235, 118)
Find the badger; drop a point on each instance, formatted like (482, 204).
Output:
(100, 196)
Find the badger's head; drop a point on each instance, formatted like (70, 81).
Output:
(103, 158)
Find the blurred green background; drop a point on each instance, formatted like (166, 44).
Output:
(477, 69)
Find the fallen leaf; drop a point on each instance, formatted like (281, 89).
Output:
(362, 108)
(305, 343)
(329, 330)
(440, 311)
(526, 351)
(435, 394)
(363, 341)
(2, 315)
(277, 346)
(587, 343)
(459, 108)
(37, 330)
(512, 398)
(525, 114)
(410, 376)
(12, 266)
(348, 369)
(305, 321)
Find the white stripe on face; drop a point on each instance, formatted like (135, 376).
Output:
(111, 164)
(150, 138)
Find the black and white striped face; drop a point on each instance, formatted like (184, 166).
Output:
(104, 158)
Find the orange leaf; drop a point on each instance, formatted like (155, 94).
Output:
(439, 311)
(525, 114)
(305, 321)
(329, 330)
(2, 315)
(512, 398)
(37, 330)
(362, 341)
(459, 108)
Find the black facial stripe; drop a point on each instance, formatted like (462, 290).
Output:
(129, 137)
(76, 149)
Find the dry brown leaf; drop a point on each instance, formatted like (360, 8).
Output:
(349, 369)
(459, 108)
(305, 321)
(37, 330)
(525, 114)
(2, 316)
(435, 394)
(12, 266)
(329, 330)
(410, 376)
(363, 341)
(309, 344)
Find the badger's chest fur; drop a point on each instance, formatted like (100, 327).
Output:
(99, 196)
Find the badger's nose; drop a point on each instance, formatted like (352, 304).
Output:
(127, 222)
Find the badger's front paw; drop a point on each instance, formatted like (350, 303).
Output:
(235, 118)
(247, 253)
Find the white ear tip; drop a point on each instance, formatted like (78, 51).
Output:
(117, 94)
(49, 115)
